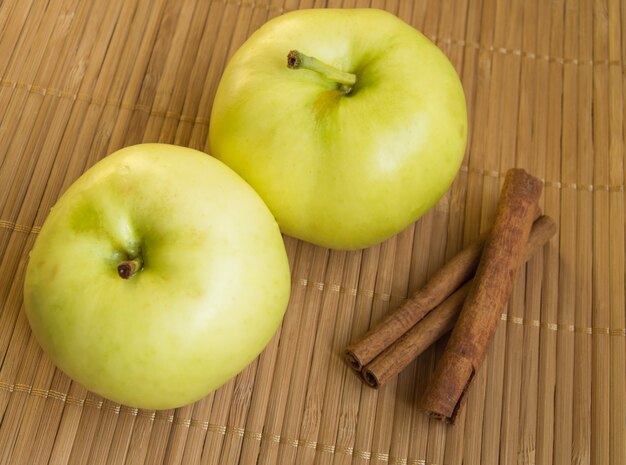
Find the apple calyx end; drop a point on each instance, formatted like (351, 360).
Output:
(129, 268)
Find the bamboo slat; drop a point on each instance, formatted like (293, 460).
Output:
(545, 86)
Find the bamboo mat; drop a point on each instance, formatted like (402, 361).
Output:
(545, 88)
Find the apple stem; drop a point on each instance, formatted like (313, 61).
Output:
(128, 268)
(297, 60)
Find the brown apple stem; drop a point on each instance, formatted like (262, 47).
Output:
(298, 60)
(128, 268)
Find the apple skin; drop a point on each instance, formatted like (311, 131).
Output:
(212, 291)
(342, 171)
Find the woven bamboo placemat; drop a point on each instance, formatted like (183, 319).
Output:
(545, 88)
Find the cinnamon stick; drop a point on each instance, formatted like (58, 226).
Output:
(439, 321)
(440, 286)
(488, 294)
(443, 283)
(397, 356)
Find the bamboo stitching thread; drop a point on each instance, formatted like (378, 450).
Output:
(10, 225)
(205, 425)
(80, 97)
(386, 297)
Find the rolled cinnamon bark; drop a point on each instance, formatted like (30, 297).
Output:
(439, 287)
(502, 255)
(442, 284)
(409, 346)
(439, 321)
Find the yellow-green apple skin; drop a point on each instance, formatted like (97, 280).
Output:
(212, 290)
(342, 170)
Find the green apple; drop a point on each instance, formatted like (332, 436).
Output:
(350, 139)
(159, 275)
